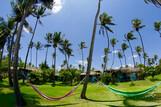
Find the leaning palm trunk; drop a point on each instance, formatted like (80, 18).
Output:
(125, 58)
(132, 54)
(83, 93)
(10, 55)
(30, 43)
(113, 59)
(142, 46)
(82, 60)
(19, 98)
(140, 59)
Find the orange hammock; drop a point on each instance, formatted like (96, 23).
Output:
(55, 98)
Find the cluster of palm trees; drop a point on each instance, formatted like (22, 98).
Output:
(11, 32)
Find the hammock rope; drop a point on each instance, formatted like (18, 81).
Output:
(40, 93)
(131, 94)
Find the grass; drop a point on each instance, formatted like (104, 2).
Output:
(98, 96)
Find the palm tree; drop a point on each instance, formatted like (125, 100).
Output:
(120, 56)
(83, 93)
(69, 53)
(38, 12)
(138, 49)
(155, 2)
(113, 42)
(56, 40)
(155, 59)
(105, 21)
(124, 47)
(157, 27)
(25, 6)
(38, 46)
(65, 48)
(82, 45)
(137, 25)
(129, 37)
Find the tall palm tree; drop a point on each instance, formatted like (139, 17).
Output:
(106, 22)
(124, 47)
(138, 50)
(65, 48)
(155, 2)
(157, 27)
(82, 46)
(155, 58)
(83, 93)
(113, 42)
(25, 6)
(120, 56)
(129, 37)
(69, 53)
(38, 12)
(38, 46)
(56, 40)
(137, 25)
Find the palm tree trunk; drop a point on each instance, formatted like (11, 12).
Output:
(36, 56)
(10, 55)
(31, 55)
(142, 46)
(120, 62)
(30, 43)
(1, 57)
(159, 33)
(82, 60)
(140, 58)
(46, 56)
(55, 52)
(132, 53)
(83, 93)
(113, 58)
(19, 98)
(125, 58)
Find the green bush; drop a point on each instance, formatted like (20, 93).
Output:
(70, 76)
(36, 77)
(46, 74)
(106, 78)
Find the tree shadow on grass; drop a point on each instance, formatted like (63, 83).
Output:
(7, 99)
(93, 100)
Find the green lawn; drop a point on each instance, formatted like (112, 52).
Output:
(98, 96)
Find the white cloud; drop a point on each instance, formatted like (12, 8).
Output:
(135, 56)
(57, 6)
(80, 62)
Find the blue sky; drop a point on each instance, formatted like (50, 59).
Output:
(75, 20)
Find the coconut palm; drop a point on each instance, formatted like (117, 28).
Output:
(65, 48)
(129, 37)
(124, 47)
(82, 46)
(120, 56)
(113, 42)
(106, 22)
(155, 58)
(137, 25)
(25, 6)
(155, 2)
(83, 93)
(157, 27)
(139, 50)
(38, 46)
(56, 40)
(38, 12)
